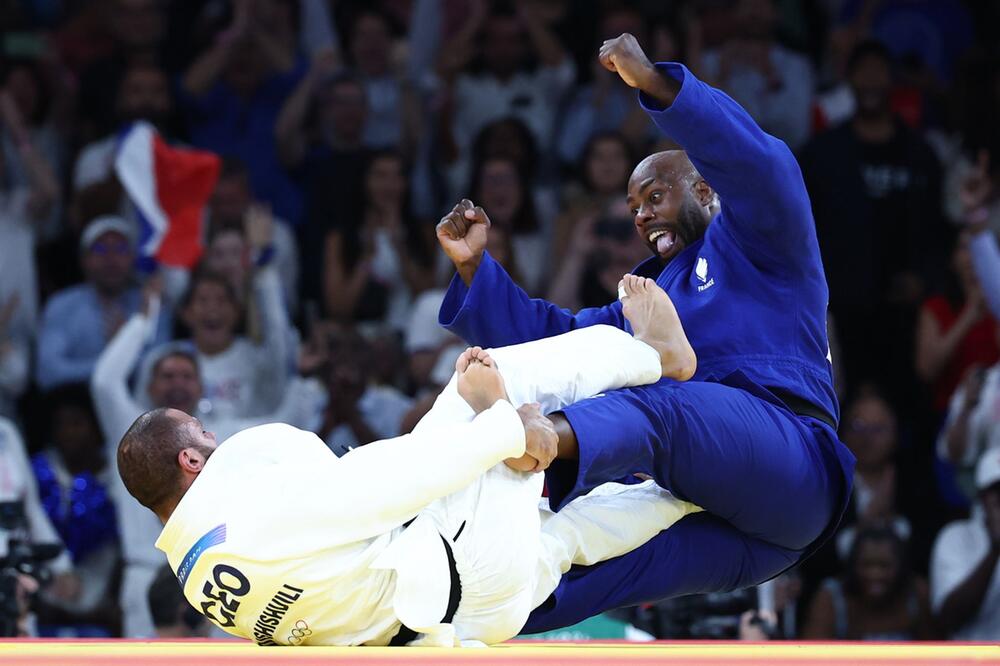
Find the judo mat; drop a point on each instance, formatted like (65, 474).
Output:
(696, 653)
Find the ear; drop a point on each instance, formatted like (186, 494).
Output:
(191, 460)
(703, 192)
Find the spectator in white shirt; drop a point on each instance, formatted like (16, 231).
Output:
(501, 81)
(774, 84)
(965, 581)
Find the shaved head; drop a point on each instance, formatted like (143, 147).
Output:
(148, 455)
(670, 166)
(671, 202)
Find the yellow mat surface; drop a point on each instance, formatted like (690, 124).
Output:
(191, 653)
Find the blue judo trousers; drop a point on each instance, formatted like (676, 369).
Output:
(751, 438)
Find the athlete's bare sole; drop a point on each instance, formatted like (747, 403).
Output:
(479, 380)
(655, 321)
(480, 384)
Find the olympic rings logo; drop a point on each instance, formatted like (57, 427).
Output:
(300, 632)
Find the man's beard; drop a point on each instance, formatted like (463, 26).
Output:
(692, 221)
(203, 450)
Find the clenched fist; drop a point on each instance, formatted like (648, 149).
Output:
(462, 234)
(624, 56)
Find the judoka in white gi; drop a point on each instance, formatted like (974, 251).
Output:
(425, 539)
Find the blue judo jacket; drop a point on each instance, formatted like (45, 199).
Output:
(751, 293)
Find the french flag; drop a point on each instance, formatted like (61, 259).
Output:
(169, 188)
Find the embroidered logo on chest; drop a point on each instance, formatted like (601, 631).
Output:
(701, 272)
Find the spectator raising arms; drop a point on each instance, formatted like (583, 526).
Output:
(955, 332)
(242, 378)
(488, 68)
(376, 263)
(171, 377)
(233, 91)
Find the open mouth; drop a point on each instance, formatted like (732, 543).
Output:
(663, 239)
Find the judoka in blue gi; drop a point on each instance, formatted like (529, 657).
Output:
(752, 436)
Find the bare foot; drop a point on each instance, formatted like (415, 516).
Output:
(655, 321)
(479, 381)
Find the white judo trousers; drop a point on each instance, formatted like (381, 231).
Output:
(512, 550)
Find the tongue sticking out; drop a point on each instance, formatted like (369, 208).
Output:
(665, 242)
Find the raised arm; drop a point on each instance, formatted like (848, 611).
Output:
(986, 261)
(975, 196)
(109, 389)
(484, 306)
(273, 356)
(762, 193)
(289, 129)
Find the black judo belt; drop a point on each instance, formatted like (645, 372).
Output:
(406, 634)
(803, 407)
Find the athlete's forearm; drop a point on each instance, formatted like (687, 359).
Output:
(568, 448)
(660, 87)
(414, 462)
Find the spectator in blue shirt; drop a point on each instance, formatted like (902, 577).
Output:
(78, 321)
(233, 92)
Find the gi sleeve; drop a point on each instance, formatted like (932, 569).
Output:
(763, 196)
(376, 488)
(495, 312)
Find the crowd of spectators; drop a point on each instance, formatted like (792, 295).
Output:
(346, 129)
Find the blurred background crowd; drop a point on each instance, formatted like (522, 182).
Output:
(347, 128)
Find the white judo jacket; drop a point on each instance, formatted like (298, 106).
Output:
(276, 538)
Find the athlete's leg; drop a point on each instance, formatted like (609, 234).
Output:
(700, 553)
(768, 473)
(559, 371)
(611, 520)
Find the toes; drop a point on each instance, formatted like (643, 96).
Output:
(462, 364)
(467, 358)
(484, 357)
(629, 284)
